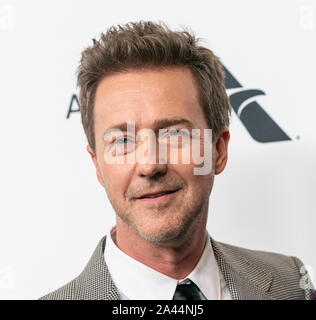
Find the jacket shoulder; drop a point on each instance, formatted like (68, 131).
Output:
(269, 260)
(66, 292)
(289, 272)
(272, 259)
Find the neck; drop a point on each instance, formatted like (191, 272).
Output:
(174, 261)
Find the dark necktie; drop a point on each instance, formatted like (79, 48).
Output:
(187, 291)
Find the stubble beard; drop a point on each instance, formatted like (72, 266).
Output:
(181, 231)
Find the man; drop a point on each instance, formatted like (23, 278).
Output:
(144, 78)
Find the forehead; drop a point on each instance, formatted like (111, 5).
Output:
(146, 96)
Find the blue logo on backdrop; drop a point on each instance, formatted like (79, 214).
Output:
(258, 123)
(256, 120)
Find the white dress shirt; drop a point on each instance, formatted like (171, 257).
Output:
(136, 281)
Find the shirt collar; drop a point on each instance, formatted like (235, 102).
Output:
(144, 283)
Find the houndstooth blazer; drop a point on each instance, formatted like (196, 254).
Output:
(249, 274)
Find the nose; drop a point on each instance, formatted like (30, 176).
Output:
(150, 170)
(150, 164)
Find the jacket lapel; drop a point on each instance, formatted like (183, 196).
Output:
(245, 280)
(95, 282)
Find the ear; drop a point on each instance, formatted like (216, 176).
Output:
(94, 159)
(221, 150)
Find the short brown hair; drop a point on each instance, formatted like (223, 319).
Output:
(146, 44)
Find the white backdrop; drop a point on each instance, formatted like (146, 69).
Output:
(53, 211)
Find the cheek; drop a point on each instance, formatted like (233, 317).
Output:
(115, 179)
(197, 184)
(184, 170)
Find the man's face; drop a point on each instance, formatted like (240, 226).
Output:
(145, 97)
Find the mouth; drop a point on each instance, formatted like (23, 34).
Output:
(158, 195)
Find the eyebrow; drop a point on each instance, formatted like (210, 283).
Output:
(157, 124)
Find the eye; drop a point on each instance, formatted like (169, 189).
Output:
(173, 132)
(121, 140)
(177, 132)
(171, 137)
(122, 145)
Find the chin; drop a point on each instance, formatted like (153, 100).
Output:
(163, 233)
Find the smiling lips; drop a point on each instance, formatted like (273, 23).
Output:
(157, 195)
